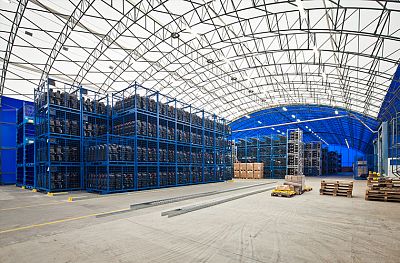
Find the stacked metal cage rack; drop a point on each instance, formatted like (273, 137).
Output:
(295, 152)
(270, 150)
(25, 145)
(131, 140)
(313, 159)
(331, 162)
(58, 149)
(174, 143)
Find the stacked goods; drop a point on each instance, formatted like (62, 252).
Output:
(236, 170)
(248, 170)
(313, 159)
(258, 170)
(336, 188)
(362, 168)
(283, 191)
(382, 188)
(296, 181)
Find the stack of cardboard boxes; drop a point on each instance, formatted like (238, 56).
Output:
(297, 181)
(248, 170)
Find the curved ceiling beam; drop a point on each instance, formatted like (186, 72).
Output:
(307, 32)
(70, 24)
(147, 46)
(130, 17)
(364, 54)
(19, 14)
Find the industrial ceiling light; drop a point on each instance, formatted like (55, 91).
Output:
(336, 112)
(347, 143)
(65, 48)
(175, 35)
(259, 122)
(233, 78)
(278, 131)
(284, 109)
(298, 120)
(306, 127)
(293, 116)
(111, 67)
(247, 116)
(273, 128)
(283, 133)
(28, 33)
(209, 60)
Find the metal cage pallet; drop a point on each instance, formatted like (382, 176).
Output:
(331, 162)
(59, 131)
(135, 139)
(270, 150)
(25, 145)
(313, 159)
(295, 152)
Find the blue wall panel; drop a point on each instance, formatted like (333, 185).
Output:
(8, 133)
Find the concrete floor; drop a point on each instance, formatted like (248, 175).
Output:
(258, 228)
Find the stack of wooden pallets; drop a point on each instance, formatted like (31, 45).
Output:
(336, 188)
(382, 188)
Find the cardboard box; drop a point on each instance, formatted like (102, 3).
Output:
(236, 174)
(298, 181)
(250, 175)
(258, 174)
(258, 166)
(236, 166)
(243, 174)
(249, 166)
(243, 166)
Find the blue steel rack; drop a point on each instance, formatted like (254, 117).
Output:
(136, 139)
(174, 143)
(271, 150)
(25, 145)
(58, 117)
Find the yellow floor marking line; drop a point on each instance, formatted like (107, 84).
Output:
(59, 221)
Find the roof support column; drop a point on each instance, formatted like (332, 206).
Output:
(383, 148)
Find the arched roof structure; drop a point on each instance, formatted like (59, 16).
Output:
(229, 57)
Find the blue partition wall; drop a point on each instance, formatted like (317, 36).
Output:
(8, 139)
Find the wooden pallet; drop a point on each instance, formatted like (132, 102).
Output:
(382, 198)
(335, 193)
(282, 195)
(336, 188)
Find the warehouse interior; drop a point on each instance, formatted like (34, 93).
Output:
(200, 131)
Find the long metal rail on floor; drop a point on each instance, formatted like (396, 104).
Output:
(188, 209)
(188, 197)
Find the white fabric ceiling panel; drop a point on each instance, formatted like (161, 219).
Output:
(291, 58)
